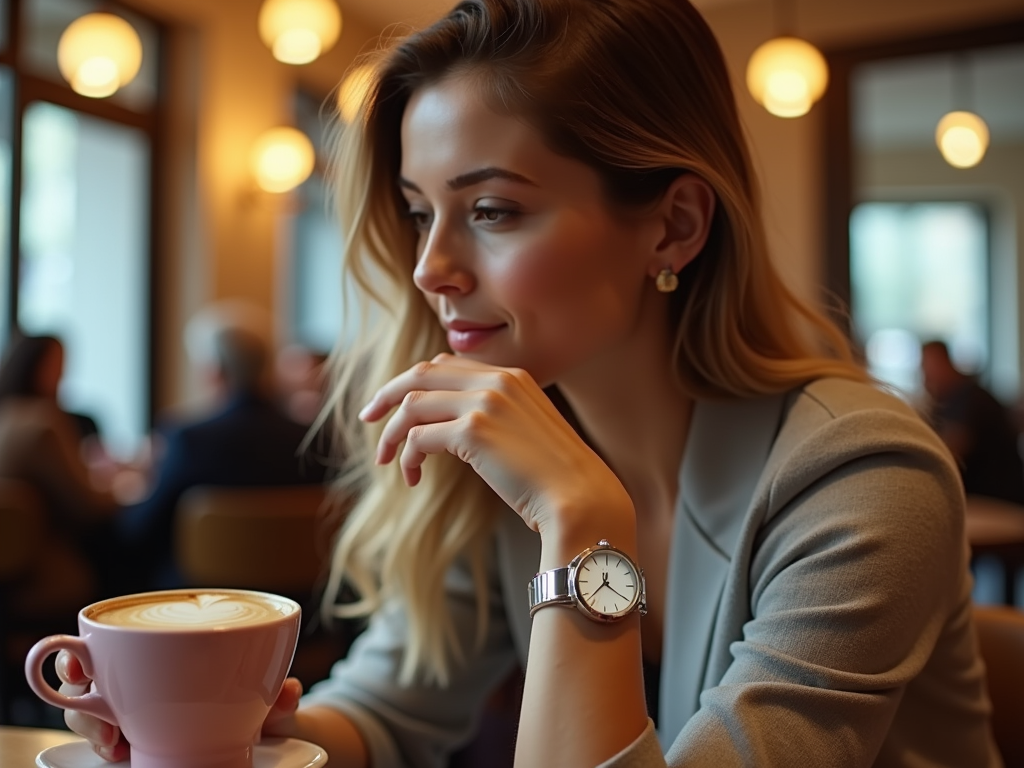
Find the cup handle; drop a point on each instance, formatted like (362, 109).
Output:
(91, 703)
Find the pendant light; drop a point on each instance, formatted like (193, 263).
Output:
(298, 31)
(786, 75)
(961, 135)
(281, 159)
(99, 53)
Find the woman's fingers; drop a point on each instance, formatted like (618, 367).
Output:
(99, 733)
(439, 374)
(279, 719)
(106, 739)
(418, 407)
(69, 669)
(116, 753)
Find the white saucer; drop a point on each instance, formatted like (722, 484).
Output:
(270, 753)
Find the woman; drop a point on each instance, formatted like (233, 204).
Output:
(40, 446)
(556, 193)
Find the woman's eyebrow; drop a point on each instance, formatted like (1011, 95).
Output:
(473, 177)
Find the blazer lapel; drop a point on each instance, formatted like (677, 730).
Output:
(726, 450)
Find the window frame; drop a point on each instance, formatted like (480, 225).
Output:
(30, 88)
(837, 140)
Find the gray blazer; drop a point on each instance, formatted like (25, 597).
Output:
(818, 607)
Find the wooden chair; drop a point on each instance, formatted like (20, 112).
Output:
(1001, 639)
(22, 532)
(274, 539)
(22, 527)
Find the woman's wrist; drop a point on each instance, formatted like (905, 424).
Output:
(333, 731)
(579, 526)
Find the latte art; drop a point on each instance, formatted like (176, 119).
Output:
(197, 610)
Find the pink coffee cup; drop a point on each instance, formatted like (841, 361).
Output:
(187, 675)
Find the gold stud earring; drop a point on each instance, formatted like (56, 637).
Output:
(667, 281)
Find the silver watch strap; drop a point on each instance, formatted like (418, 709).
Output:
(549, 588)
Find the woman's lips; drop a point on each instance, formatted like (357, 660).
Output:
(466, 338)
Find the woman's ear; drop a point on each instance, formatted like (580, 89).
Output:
(684, 214)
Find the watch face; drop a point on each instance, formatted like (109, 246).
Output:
(607, 584)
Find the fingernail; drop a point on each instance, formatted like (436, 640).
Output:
(107, 753)
(366, 409)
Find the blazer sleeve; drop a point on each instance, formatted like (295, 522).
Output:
(858, 563)
(418, 725)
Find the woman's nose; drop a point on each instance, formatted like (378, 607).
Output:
(439, 270)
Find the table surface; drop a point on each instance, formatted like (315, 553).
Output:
(19, 746)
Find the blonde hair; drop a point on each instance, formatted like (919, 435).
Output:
(637, 90)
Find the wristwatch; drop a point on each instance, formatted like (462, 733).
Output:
(602, 582)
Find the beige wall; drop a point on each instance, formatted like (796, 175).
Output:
(221, 237)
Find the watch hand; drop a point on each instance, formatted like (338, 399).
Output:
(603, 584)
(615, 591)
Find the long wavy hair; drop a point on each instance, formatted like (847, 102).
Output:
(637, 90)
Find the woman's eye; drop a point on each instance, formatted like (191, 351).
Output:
(421, 220)
(493, 215)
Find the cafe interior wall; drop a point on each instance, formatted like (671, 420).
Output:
(220, 236)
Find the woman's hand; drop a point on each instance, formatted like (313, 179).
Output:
(107, 740)
(500, 422)
(281, 718)
(109, 743)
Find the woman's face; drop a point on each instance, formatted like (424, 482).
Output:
(518, 253)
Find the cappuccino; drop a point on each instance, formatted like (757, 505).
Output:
(190, 610)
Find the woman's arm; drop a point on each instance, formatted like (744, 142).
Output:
(327, 728)
(583, 697)
(583, 700)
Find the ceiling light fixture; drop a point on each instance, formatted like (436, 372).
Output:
(281, 159)
(961, 135)
(298, 31)
(786, 75)
(99, 53)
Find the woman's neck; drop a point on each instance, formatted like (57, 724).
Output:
(636, 418)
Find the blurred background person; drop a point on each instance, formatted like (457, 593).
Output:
(41, 445)
(977, 428)
(301, 382)
(247, 440)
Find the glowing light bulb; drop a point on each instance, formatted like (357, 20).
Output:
(786, 76)
(281, 159)
(99, 53)
(298, 31)
(962, 138)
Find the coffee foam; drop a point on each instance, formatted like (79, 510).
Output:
(189, 611)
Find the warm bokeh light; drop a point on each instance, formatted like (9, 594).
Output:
(787, 75)
(98, 54)
(281, 159)
(962, 138)
(353, 91)
(298, 31)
